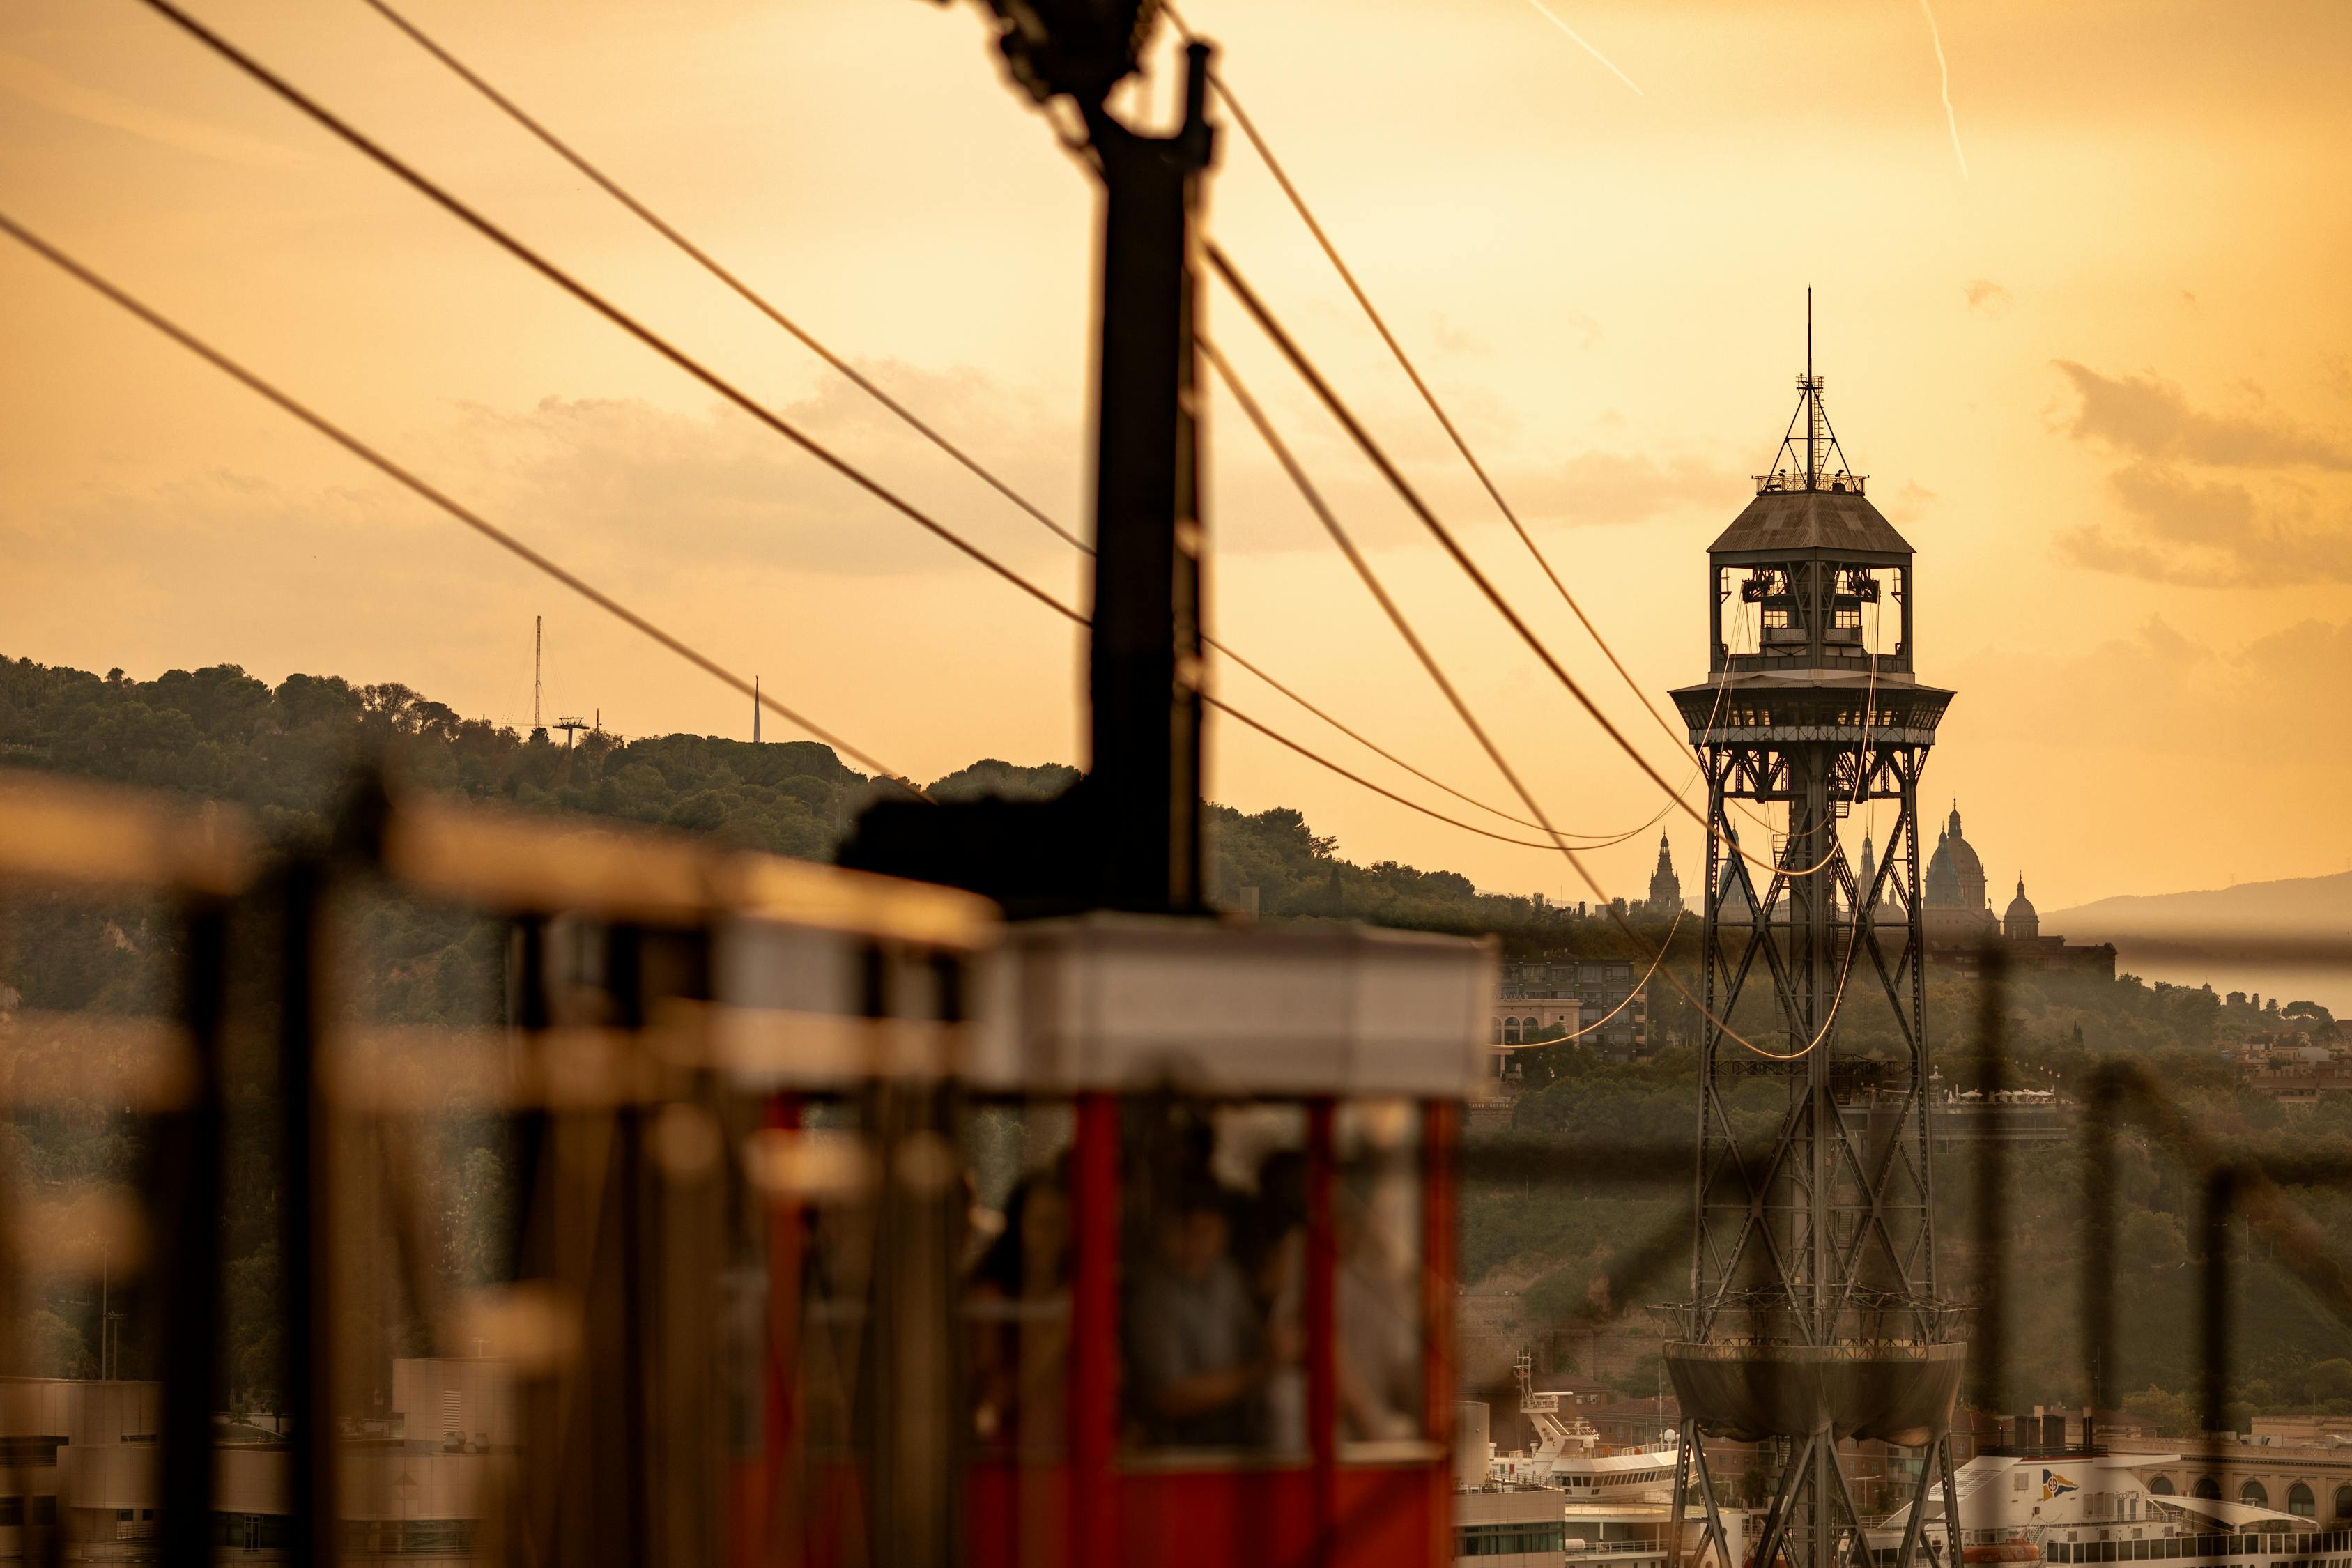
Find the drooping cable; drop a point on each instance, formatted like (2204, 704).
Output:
(1306, 486)
(252, 380)
(1430, 665)
(442, 197)
(1413, 373)
(711, 264)
(808, 340)
(1338, 408)
(547, 268)
(1444, 684)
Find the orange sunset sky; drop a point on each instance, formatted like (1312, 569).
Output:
(2090, 335)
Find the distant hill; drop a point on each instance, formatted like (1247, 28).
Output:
(285, 752)
(2217, 935)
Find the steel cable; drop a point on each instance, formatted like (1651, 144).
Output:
(290, 404)
(1257, 416)
(808, 340)
(1323, 241)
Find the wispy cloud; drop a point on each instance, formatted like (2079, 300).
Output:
(1988, 295)
(2152, 417)
(1583, 43)
(1936, 36)
(37, 84)
(2215, 500)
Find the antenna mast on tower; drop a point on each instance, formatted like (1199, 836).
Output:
(1821, 466)
(1812, 404)
(538, 646)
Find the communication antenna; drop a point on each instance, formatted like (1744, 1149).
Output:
(538, 648)
(755, 710)
(1813, 420)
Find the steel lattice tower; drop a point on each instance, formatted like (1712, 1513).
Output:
(1815, 1313)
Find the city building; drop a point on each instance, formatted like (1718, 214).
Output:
(414, 1485)
(1959, 918)
(2307, 1473)
(1510, 1529)
(1666, 900)
(1551, 996)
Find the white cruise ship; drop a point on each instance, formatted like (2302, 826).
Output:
(1569, 1453)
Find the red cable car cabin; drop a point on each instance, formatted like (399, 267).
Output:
(1132, 1244)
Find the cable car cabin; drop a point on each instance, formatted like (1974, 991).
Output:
(1149, 1262)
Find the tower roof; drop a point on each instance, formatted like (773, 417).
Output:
(2020, 906)
(1840, 522)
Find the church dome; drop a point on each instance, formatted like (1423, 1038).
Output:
(1943, 880)
(1956, 877)
(2021, 923)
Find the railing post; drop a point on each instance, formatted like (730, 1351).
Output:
(189, 1189)
(2221, 1203)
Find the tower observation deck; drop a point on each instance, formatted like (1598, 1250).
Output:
(1815, 1312)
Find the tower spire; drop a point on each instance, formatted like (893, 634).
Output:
(1821, 464)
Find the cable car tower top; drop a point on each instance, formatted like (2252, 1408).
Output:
(1814, 1314)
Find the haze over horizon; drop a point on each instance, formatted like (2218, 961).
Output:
(2102, 379)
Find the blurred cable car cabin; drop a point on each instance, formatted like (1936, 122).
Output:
(1184, 1295)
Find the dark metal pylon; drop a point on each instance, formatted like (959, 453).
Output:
(1815, 1313)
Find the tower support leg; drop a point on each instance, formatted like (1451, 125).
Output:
(1912, 1530)
(1951, 1503)
(1776, 1518)
(1689, 1435)
(1850, 1530)
(1715, 1530)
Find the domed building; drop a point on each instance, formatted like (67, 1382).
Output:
(1958, 912)
(1959, 918)
(2021, 923)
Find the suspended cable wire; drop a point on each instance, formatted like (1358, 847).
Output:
(767, 308)
(1255, 413)
(290, 404)
(1444, 684)
(1323, 241)
(451, 204)
(1435, 671)
(1308, 372)
(686, 361)
(717, 269)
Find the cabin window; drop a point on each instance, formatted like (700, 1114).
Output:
(822, 1223)
(1213, 1317)
(1379, 1364)
(1016, 1285)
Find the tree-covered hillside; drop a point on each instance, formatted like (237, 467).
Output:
(287, 753)
(1583, 1259)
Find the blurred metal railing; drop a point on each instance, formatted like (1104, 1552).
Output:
(607, 1071)
(619, 1043)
